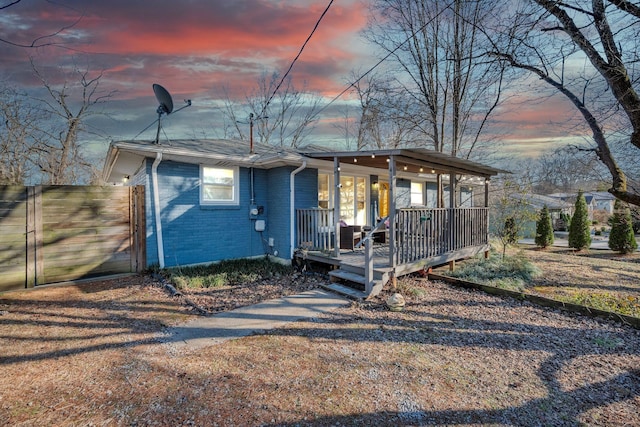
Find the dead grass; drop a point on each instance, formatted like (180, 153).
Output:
(90, 355)
(600, 279)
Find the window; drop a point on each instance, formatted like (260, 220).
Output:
(219, 186)
(323, 191)
(417, 194)
(353, 197)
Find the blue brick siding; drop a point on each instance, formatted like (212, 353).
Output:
(306, 195)
(198, 234)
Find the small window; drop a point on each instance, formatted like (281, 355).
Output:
(219, 186)
(417, 194)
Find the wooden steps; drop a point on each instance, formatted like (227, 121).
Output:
(345, 291)
(353, 283)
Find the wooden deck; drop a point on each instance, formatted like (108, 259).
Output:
(350, 265)
(422, 238)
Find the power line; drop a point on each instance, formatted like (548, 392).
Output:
(296, 58)
(377, 64)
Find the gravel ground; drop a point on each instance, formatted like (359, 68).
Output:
(90, 355)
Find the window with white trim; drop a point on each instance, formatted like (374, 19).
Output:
(417, 193)
(219, 186)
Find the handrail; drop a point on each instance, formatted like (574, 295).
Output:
(369, 234)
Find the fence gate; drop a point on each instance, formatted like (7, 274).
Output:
(51, 234)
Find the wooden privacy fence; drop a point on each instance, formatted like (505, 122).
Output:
(51, 234)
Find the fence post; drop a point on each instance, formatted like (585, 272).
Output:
(31, 238)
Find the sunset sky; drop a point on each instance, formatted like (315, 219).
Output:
(199, 50)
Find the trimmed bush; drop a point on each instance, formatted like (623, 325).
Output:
(544, 229)
(579, 231)
(621, 238)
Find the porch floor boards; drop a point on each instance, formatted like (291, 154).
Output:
(355, 257)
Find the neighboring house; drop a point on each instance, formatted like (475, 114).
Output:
(533, 203)
(556, 208)
(210, 200)
(596, 201)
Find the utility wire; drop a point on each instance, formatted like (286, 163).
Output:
(295, 59)
(370, 70)
(377, 64)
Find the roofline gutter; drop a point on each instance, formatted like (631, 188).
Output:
(292, 203)
(156, 207)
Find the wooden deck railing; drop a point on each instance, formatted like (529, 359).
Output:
(315, 229)
(427, 233)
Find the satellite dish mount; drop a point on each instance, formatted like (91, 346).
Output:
(166, 105)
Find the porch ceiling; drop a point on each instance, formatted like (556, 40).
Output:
(414, 160)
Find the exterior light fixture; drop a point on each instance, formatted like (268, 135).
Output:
(421, 169)
(405, 167)
(355, 160)
(433, 171)
(373, 156)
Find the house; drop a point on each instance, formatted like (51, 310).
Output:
(557, 209)
(209, 200)
(601, 201)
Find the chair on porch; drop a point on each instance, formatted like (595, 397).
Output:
(350, 235)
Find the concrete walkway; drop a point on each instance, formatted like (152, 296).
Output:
(244, 321)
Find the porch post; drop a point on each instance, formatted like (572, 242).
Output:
(453, 241)
(452, 189)
(486, 192)
(336, 206)
(486, 205)
(392, 211)
(440, 203)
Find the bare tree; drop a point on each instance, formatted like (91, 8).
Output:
(510, 209)
(40, 41)
(566, 169)
(18, 129)
(58, 152)
(588, 52)
(284, 119)
(451, 88)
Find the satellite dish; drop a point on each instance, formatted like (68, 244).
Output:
(164, 98)
(166, 105)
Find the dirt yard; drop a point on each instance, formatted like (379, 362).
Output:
(94, 355)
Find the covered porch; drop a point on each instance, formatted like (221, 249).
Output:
(408, 238)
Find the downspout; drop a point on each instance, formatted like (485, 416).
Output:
(292, 203)
(156, 208)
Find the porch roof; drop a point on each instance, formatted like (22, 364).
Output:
(416, 160)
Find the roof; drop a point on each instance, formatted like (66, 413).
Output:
(539, 201)
(125, 157)
(414, 160)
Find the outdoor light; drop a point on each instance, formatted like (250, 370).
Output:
(355, 160)
(373, 156)
(405, 167)
(421, 169)
(433, 171)
(125, 178)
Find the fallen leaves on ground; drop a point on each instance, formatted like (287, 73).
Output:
(91, 355)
